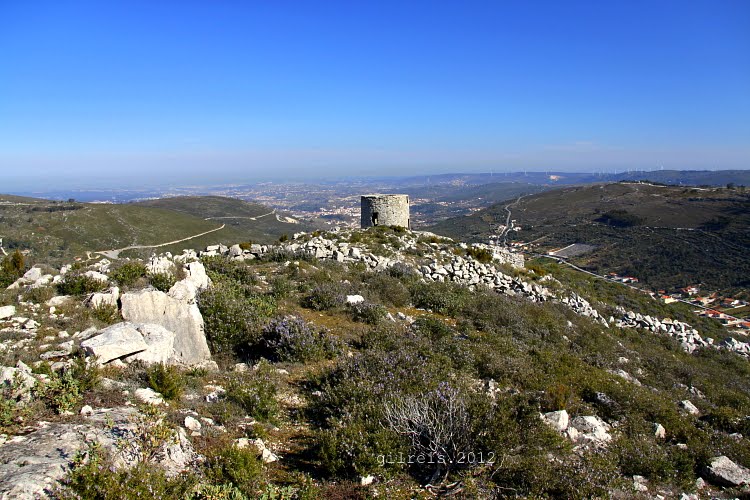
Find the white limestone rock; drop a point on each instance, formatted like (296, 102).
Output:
(558, 420)
(724, 472)
(160, 342)
(115, 342)
(99, 299)
(7, 312)
(155, 307)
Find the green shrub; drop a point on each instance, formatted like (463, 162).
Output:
(216, 492)
(443, 298)
(162, 281)
(106, 313)
(166, 380)
(256, 393)
(39, 295)
(237, 470)
(93, 475)
(233, 315)
(129, 273)
(388, 289)
(62, 393)
(13, 410)
(281, 287)
(223, 269)
(85, 373)
(11, 268)
(479, 254)
(79, 284)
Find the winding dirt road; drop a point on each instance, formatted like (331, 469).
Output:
(114, 254)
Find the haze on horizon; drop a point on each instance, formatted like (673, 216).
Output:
(93, 93)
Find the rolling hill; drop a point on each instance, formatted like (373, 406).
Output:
(667, 236)
(53, 231)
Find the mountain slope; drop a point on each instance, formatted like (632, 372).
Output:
(666, 236)
(53, 231)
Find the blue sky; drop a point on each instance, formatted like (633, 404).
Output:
(152, 91)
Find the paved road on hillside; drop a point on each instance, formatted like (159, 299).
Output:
(114, 254)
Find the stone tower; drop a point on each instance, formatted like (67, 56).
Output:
(385, 210)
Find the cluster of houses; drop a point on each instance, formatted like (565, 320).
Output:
(732, 312)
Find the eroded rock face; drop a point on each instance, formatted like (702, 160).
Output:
(184, 319)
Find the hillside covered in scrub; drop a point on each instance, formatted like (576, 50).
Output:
(632, 229)
(378, 363)
(55, 232)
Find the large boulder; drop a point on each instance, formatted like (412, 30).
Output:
(115, 342)
(184, 319)
(723, 472)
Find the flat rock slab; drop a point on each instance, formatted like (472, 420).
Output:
(115, 342)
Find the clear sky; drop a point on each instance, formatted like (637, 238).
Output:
(186, 91)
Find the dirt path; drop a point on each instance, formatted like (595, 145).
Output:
(114, 254)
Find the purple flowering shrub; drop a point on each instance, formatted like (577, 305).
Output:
(290, 338)
(367, 312)
(324, 297)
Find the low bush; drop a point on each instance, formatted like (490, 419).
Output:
(80, 284)
(162, 281)
(39, 295)
(367, 312)
(292, 339)
(233, 316)
(128, 274)
(479, 254)
(166, 380)
(235, 470)
(324, 297)
(93, 475)
(388, 289)
(256, 393)
(106, 313)
(62, 393)
(443, 298)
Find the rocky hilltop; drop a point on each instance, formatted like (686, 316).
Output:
(326, 365)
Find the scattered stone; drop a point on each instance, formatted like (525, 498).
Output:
(659, 431)
(155, 307)
(592, 429)
(366, 480)
(354, 299)
(192, 424)
(149, 396)
(558, 420)
(689, 408)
